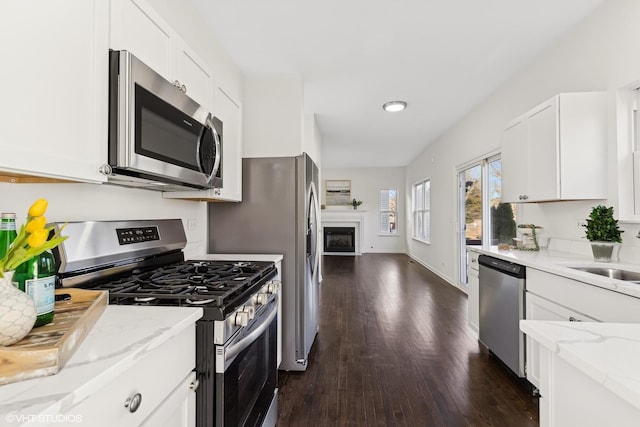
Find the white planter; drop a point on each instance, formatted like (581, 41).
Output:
(17, 312)
(602, 251)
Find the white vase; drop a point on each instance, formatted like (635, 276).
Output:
(17, 311)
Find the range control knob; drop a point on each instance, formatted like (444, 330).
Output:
(242, 318)
(262, 299)
(250, 310)
(272, 287)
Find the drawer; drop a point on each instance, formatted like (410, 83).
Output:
(154, 376)
(600, 304)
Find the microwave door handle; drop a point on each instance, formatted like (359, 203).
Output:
(216, 138)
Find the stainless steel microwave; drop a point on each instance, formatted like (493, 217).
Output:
(159, 138)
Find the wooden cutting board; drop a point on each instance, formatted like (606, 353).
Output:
(46, 349)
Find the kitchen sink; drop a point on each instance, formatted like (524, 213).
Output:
(614, 273)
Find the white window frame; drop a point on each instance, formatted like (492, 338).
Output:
(424, 211)
(387, 212)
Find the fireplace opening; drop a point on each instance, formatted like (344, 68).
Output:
(339, 239)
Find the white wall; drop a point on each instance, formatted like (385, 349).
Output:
(312, 140)
(273, 115)
(95, 202)
(366, 184)
(600, 53)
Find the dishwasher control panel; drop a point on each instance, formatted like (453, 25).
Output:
(503, 266)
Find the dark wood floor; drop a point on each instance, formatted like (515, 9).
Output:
(394, 349)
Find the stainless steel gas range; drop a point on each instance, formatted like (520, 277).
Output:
(142, 263)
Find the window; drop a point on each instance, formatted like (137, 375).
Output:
(422, 210)
(389, 212)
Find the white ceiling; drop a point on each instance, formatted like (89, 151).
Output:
(443, 57)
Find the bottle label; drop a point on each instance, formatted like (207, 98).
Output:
(43, 293)
(5, 225)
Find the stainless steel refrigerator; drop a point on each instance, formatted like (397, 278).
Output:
(279, 215)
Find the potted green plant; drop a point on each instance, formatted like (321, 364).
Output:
(356, 203)
(603, 232)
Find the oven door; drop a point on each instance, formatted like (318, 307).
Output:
(246, 372)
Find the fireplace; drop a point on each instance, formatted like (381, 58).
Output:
(339, 239)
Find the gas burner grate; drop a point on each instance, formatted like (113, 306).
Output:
(189, 283)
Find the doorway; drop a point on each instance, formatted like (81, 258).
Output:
(484, 220)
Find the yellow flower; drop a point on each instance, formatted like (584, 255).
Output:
(38, 238)
(38, 208)
(36, 224)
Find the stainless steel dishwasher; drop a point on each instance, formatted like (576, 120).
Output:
(501, 300)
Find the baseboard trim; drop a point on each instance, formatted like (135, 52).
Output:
(435, 271)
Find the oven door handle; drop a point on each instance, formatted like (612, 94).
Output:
(232, 352)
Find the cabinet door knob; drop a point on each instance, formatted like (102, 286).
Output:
(183, 88)
(133, 403)
(105, 169)
(194, 385)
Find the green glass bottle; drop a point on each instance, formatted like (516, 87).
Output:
(7, 232)
(37, 277)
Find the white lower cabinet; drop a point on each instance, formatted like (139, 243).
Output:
(473, 274)
(152, 389)
(553, 297)
(595, 302)
(541, 309)
(588, 376)
(178, 409)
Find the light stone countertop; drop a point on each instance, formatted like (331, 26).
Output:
(119, 338)
(558, 262)
(606, 352)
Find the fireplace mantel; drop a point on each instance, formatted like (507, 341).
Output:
(345, 218)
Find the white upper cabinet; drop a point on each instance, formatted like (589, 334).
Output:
(514, 158)
(230, 112)
(136, 27)
(194, 76)
(557, 151)
(55, 97)
(55, 91)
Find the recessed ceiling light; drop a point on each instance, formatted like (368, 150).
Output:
(394, 106)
